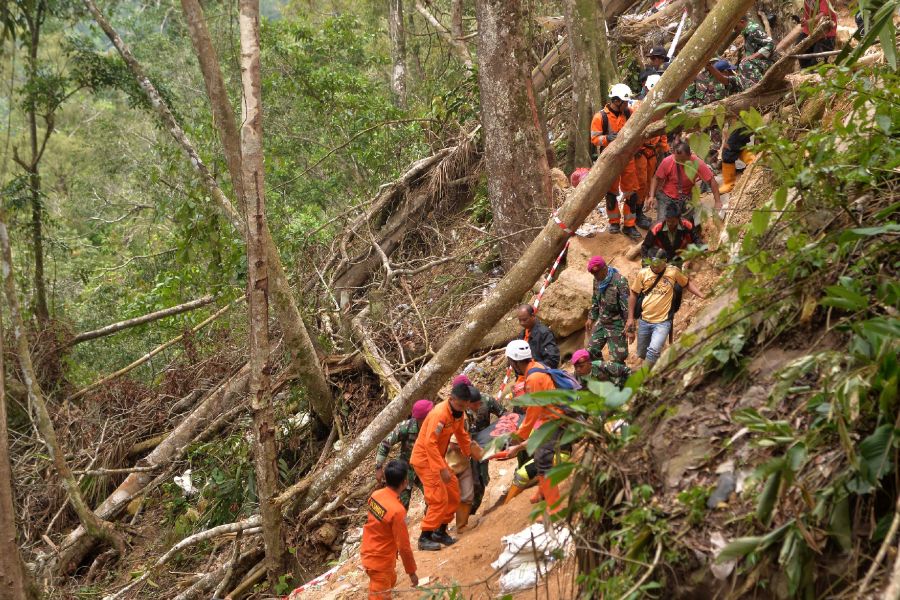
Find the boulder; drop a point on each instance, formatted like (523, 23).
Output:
(566, 302)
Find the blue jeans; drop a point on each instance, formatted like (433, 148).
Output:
(651, 339)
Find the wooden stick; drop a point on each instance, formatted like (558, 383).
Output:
(152, 353)
(148, 318)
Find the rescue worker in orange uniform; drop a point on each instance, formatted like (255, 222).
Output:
(385, 534)
(441, 486)
(605, 126)
(518, 356)
(645, 163)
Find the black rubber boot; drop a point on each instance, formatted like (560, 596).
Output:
(643, 221)
(614, 228)
(632, 232)
(427, 542)
(441, 536)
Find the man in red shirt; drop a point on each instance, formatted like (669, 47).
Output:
(811, 9)
(385, 534)
(428, 459)
(673, 186)
(518, 355)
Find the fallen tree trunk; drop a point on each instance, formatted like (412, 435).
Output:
(404, 205)
(536, 258)
(373, 356)
(95, 528)
(148, 318)
(770, 89)
(152, 353)
(302, 354)
(77, 544)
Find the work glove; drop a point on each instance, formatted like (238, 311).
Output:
(610, 137)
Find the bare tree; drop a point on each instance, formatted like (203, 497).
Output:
(302, 353)
(519, 187)
(95, 527)
(588, 78)
(397, 34)
(15, 583)
(266, 452)
(458, 46)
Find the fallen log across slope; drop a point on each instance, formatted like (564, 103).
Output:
(535, 259)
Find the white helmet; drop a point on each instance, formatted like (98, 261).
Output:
(518, 350)
(621, 91)
(652, 80)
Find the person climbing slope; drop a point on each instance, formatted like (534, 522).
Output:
(645, 162)
(616, 373)
(405, 434)
(758, 49)
(441, 485)
(539, 337)
(385, 534)
(651, 302)
(609, 311)
(673, 235)
(674, 186)
(519, 358)
(605, 126)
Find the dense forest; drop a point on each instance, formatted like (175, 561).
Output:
(240, 241)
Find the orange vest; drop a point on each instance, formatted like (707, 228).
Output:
(385, 533)
(536, 382)
(434, 437)
(616, 123)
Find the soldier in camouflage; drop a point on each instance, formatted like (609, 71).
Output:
(759, 49)
(609, 308)
(719, 80)
(601, 370)
(479, 419)
(404, 434)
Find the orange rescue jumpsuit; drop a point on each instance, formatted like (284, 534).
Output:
(535, 416)
(627, 181)
(428, 460)
(384, 535)
(645, 163)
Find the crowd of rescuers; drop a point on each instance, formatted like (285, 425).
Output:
(660, 174)
(438, 452)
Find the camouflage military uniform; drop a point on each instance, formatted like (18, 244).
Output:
(608, 313)
(706, 89)
(477, 422)
(606, 370)
(405, 434)
(756, 41)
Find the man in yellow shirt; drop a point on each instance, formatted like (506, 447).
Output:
(656, 287)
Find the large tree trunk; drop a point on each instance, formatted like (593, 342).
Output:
(95, 527)
(223, 114)
(519, 187)
(266, 452)
(536, 258)
(302, 354)
(78, 543)
(15, 583)
(584, 25)
(397, 34)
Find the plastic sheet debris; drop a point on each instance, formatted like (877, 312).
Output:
(314, 583)
(530, 554)
(184, 482)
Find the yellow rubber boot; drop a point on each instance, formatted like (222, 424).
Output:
(729, 173)
(551, 495)
(514, 491)
(748, 157)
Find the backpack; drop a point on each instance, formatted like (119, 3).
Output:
(561, 379)
(677, 295)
